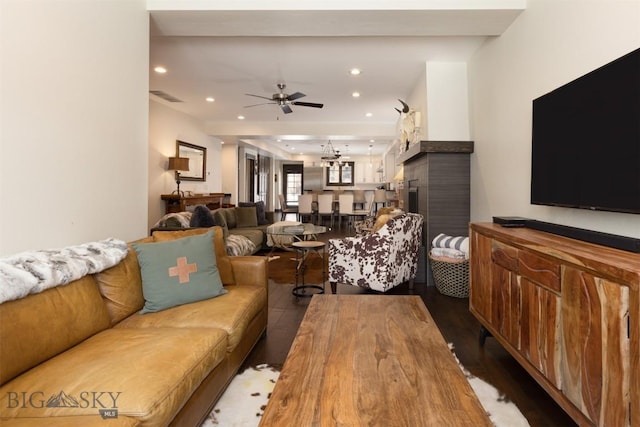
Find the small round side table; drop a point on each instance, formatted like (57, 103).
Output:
(303, 249)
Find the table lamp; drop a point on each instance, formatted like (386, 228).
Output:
(178, 164)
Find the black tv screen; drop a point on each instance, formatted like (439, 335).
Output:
(586, 140)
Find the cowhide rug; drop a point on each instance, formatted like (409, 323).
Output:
(243, 403)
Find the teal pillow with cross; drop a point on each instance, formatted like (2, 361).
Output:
(178, 272)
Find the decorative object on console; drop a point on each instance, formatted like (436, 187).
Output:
(178, 164)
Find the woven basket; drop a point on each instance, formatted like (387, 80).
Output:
(451, 276)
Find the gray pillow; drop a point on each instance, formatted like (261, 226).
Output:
(220, 220)
(261, 211)
(247, 217)
(201, 217)
(230, 217)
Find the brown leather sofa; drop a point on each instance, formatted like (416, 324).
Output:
(82, 355)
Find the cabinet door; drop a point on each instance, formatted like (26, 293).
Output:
(480, 284)
(540, 331)
(595, 344)
(506, 301)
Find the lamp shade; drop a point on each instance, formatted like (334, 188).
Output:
(178, 164)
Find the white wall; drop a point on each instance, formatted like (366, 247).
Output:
(166, 126)
(74, 121)
(551, 43)
(229, 167)
(447, 102)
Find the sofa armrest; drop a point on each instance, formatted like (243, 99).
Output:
(250, 270)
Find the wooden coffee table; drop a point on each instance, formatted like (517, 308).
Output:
(371, 360)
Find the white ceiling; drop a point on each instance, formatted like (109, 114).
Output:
(226, 54)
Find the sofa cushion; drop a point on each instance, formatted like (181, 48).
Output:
(233, 312)
(40, 326)
(121, 286)
(246, 217)
(178, 272)
(222, 260)
(155, 371)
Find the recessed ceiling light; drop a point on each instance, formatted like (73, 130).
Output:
(160, 70)
(210, 99)
(372, 140)
(356, 94)
(369, 114)
(240, 117)
(355, 71)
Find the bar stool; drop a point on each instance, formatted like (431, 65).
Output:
(303, 249)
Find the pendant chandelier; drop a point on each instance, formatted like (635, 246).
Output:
(330, 155)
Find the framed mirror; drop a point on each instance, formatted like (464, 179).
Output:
(197, 161)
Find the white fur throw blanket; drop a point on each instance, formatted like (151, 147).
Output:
(35, 271)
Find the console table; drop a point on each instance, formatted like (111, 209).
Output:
(178, 203)
(568, 311)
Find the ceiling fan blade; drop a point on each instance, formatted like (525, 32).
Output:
(286, 109)
(295, 96)
(308, 104)
(255, 105)
(258, 96)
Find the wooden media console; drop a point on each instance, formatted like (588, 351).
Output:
(568, 311)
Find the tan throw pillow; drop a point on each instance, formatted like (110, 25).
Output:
(247, 217)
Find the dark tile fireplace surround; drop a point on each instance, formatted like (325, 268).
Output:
(437, 185)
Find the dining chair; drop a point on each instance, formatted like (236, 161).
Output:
(359, 198)
(345, 208)
(380, 196)
(284, 209)
(325, 207)
(305, 207)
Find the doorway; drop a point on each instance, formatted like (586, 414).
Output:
(291, 183)
(250, 178)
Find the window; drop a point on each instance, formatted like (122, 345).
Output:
(340, 174)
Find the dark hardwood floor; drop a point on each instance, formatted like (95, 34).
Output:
(458, 326)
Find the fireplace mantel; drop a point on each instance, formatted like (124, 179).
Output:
(423, 147)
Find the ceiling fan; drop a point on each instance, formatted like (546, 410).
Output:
(284, 100)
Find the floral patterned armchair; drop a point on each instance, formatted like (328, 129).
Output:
(380, 260)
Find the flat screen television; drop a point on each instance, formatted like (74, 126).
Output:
(586, 140)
